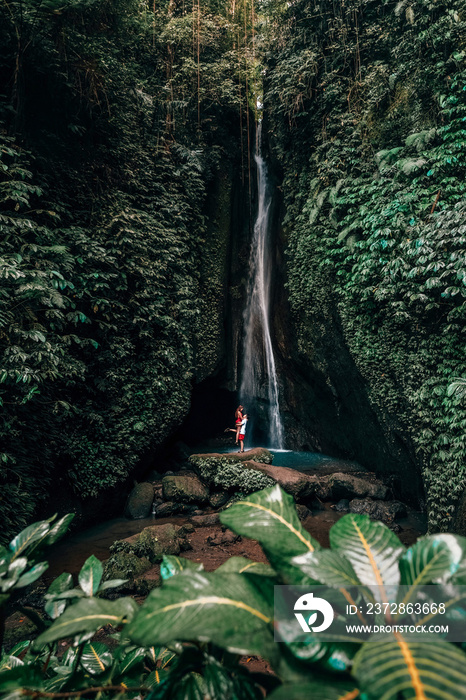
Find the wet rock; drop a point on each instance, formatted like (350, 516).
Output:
(166, 509)
(125, 565)
(350, 486)
(315, 504)
(299, 484)
(386, 511)
(205, 520)
(303, 511)
(218, 499)
(342, 506)
(184, 488)
(223, 538)
(153, 542)
(139, 502)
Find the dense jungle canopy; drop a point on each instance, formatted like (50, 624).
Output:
(126, 131)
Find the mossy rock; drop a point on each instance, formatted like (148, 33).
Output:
(153, 542)
(257, 454)
(125, 565)
(186, 488)
(229, 473)
(140, 501)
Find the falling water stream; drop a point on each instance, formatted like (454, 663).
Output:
(259, 375)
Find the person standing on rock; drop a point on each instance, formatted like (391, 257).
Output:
(242, 431)
(238, 420)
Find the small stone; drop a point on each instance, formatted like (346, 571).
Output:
(205, 520)
(315, 504)
(302, 511)
(342, 506)
(218, 499)
(224, 538)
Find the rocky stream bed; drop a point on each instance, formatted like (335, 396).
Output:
(178, 514)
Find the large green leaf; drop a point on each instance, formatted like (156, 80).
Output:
(54, 606)
(223, 608)
(317, 690)
(32, 575)
(411, 669)
(132, 659)
(242, 565)
(20, 677)
(59, 529)
(372, 549)
(327, 567)
(88, 615)
(96, 658)
(90, 575)
(433, 559)
(172, 565)
(220, 682)
(27, 537)
(189, 687)
(269, 516)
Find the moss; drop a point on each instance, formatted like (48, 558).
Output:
(125, 565)
(230, 475)
(153, 542)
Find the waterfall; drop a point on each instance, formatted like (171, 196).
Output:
(259, 375)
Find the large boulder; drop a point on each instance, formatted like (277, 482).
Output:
(153, 542)
(139, 502)
(205, 520)
(258, 454)
(164, 510)
(386, 511)
(230, 473)
(125, 565)
(184, 488)
(299, 484)
(350, 486)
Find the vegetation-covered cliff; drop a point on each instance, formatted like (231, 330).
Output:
(123, 132)
(366, 110)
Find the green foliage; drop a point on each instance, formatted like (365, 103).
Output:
(368, 126)
(186, 638)
(229, 475)
(111, 135)
(118, 668)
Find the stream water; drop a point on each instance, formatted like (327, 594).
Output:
(259, 375)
